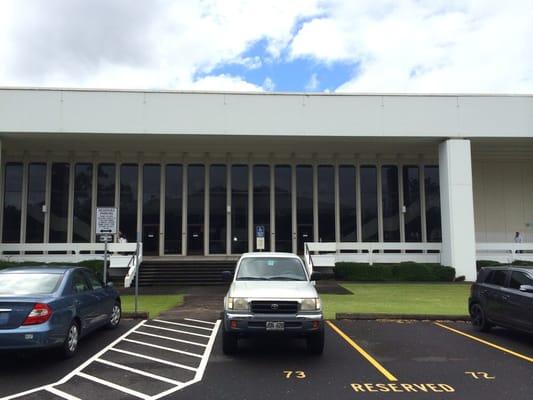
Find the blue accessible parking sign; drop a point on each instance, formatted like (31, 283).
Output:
(260, 231)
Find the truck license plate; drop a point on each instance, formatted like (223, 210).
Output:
(275, 326)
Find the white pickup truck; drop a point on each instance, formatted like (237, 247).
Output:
(272, 294)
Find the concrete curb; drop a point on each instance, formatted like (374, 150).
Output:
(137, 315)
(413, 317)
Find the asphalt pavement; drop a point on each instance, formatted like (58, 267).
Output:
(183, 359)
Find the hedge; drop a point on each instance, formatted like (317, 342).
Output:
(402, 272)
(97, 266)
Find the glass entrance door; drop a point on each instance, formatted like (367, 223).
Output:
(151, 240)
(195, 209)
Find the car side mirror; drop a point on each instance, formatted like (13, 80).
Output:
(109, 284)
(526, 288)
(315, 276)
(227, 276)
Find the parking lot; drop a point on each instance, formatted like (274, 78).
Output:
(363, 359)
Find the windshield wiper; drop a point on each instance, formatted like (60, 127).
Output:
(250, 278)
(283, 278)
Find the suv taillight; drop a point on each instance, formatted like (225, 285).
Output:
(38, 315)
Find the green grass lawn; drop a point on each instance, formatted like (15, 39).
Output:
(153, 304)
(399, 298)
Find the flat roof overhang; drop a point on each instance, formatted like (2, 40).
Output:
(113, 112)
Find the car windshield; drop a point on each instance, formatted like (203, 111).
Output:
(271, 269)
(24, 284)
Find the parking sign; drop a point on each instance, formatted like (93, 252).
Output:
(106, 220)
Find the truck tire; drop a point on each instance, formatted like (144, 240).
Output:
(230, 343)
(315, 343)
(478, 318)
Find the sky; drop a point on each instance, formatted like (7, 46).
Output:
(378, 46)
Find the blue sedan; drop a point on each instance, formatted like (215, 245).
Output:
(43, 307)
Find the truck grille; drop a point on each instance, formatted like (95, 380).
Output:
(274, 307)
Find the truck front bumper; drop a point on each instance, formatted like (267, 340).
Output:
(294, 324)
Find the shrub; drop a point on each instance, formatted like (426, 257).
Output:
(401, 272)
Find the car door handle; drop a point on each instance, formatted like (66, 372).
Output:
(505, 297)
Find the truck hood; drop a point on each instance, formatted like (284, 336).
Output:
(272, 289)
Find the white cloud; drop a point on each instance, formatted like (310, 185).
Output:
(268, 84)
(425, 46)
(223, 83)
(141, 44)
(313, 83)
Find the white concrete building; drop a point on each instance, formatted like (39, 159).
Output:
(445, 178)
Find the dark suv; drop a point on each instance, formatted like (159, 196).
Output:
(502, 296)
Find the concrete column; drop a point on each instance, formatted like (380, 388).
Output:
(457, 207)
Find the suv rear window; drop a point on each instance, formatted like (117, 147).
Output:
(496, 277)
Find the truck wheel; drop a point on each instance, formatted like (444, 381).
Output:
(230, 343)
(479, 321)
(315, 343)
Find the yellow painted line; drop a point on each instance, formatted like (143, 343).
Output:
(368, 357)
(495, 346)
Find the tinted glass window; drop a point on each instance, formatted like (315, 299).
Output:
(496, 277)
(239, 209)
(95, 283)
(283, 205)
(304, 205)
(262, 201)
(106, 185)
(59, 202)
(195, 209)
(217, 209)
(273, 269)
(173, 208)
(128, 201)
(83, 184)
(347, 202)
(12, 283)
(79, 283)
(326, 203)
(390, 202)
(369, 203)
(36, 200)
(12, 202)
(411, 201)
(432, 189)
(518, 279)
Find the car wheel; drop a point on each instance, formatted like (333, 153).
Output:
(230, 343)
(70, 345)
(116, 314)
(315, 343)
(479, 321)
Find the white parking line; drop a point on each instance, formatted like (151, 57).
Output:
(159, 360)
(181, 324)
(156, 346)
(139, 372)
(199, 320)
(62, 394)
(201, 369)
(170, 338)
(115, 386)
(176, 330)
(97, 358)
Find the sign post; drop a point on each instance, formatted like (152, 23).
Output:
(106, 227)
(260, 237)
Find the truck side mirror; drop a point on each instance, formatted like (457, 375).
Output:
(526, 288)
(315, 276)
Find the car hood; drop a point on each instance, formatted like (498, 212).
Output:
(272, 289)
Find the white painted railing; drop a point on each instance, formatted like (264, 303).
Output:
(504, 252)
(326, 254)
(120, 255)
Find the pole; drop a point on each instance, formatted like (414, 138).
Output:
(105, 260)
(136, 276)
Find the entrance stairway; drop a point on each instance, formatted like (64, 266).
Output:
(183, 272)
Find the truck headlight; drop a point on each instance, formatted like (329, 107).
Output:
(237, 304)
(310, 304)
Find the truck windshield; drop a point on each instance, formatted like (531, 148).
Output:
(271, 269)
